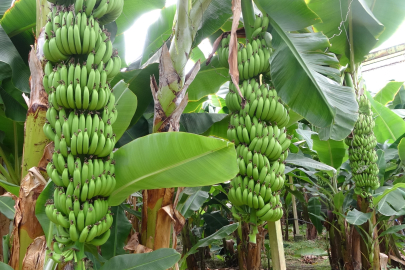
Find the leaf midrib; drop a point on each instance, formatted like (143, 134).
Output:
(178, 164)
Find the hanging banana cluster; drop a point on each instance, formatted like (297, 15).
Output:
(253, 59)
(362, 154)
(81, 62)
(258, 131)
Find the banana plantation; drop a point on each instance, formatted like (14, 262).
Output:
(268, 151)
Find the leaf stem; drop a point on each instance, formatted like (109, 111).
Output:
(248, 17)
(16, 161)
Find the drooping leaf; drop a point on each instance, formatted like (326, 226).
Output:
(355, 217)
(194, 198)
(160, 259)
(126, 103)
(208, 80)
(401, 150)
(198, 123)
(388, 125)
(133, 9)
(378, 198)
(330, 152)
(388, 93)
(46, 224)
(221, 233)
(158, 32)
(7, 207)
(314, 210)
(305, 162)
(366, 28)
(9, 55)
(391, 204)
(170, 160)
(301, 57)
(217, 13)
(120, 230)
(391, 13)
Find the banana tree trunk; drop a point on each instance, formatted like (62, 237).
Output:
(26, 225)
(170, 99)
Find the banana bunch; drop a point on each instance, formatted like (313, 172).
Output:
(105, 11)
(258, 131)
(362, 154)
(262, 102)
(253, 59)
(262, 148)
(79, 120)
(68, 33)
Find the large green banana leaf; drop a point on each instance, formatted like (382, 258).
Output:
(4, 5)
(388, 93)
(158, 32)
(366, 27)
(133, 9)
(388, 125)
(304, 75)
(19, 22)
(330, 152)
(217, 13)
(391, 13)
(126, 105)
(10, 56)
(208, 80)
(172, 159)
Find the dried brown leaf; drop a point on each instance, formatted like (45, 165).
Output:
(35, 256)
(134, 246)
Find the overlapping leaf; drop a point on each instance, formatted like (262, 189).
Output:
(10, 56)
(366, 27)
(330, 152)
(302, 58)
(388, 93)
